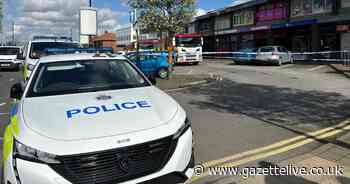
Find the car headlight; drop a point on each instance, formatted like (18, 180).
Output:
(183, 129)
(30, 154)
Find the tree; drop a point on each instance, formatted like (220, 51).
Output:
(164, 16)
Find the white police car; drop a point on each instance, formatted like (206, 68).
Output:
(34, 49)
(94, 119)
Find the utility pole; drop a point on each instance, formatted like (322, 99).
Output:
(90, 3)
(13, 33)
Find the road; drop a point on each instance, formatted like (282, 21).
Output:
(255, 106)
(251, 108)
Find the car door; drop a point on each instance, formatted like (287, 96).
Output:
(283, 54)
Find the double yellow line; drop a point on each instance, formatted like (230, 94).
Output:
(273, 149)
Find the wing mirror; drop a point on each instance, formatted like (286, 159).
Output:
(16, 91)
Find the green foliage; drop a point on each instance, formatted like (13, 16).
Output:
(168, 16)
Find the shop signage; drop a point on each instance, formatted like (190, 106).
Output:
(226, 32)
(273, 11)
(258, 28)
(342, 28)
(294, 24)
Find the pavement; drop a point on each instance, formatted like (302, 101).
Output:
(258, 116)
(316, 112)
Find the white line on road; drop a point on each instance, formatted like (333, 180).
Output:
(316, 68)
(3, 114)
(190, 72)
(2, 104)
(12, 79)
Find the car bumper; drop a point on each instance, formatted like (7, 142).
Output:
(178, 169)
(268, 61)
(9, 65)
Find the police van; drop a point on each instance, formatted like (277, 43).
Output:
(94, 119)
(34, 49)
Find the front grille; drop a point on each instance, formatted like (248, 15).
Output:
(190, 55)
(117, 165)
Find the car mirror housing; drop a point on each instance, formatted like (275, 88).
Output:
(16, 91)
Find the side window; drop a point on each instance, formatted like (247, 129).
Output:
(282, 49)
(24, 51)
(267, 49)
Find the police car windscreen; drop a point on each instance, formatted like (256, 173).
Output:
(84, 76)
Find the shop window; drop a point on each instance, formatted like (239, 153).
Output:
(309, 7)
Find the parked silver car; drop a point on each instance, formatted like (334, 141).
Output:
(274, 55)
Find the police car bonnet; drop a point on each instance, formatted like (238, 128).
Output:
(83, 116)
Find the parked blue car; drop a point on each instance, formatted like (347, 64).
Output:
(152, 64)
(245, 56)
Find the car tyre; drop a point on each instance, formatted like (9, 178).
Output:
(163, 73)
(279, 62)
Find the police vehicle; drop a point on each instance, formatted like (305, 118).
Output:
(8, 57)
(34, 49)
(94, 119)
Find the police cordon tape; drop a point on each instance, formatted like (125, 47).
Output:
(330, 56)
(293, 53)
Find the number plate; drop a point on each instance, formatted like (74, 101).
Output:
(4, 64)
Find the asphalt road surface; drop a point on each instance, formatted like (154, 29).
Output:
(252, 107)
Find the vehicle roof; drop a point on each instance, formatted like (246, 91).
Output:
(17, 47)
(77, 57)
(52, 40)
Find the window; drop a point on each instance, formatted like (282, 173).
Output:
(243, 18)
(309, 7)
(70, 77)
(222, 22)
(267, 49)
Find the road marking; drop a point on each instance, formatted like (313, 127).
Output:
(3, 114)
(12, 79)
(316, 68)
(274, 149)
(190, 72)
(2, 104)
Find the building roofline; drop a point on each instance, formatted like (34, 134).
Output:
(229, 9)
